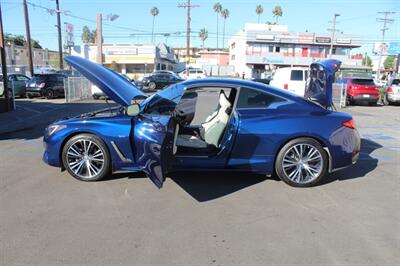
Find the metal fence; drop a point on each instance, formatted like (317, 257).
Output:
(77, 88)
(339, 95)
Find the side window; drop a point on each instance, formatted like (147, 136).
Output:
(22, 78)
(249, 98)
(296, 75)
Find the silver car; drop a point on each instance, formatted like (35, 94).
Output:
(393, 91)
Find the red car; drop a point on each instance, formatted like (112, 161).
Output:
(362, 90)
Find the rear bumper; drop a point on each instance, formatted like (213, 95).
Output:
(393, 97)
(365, 98)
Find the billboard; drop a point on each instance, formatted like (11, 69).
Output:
(69, 34)
(381, 47)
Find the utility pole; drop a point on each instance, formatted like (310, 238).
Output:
(28, 37)
(333, 34)
(99, 39)
(9, 102)
(60, 50)
(188, 6)
(385, 21)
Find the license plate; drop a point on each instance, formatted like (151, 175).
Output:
(366, 95)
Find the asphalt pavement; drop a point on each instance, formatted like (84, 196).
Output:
(49, 218)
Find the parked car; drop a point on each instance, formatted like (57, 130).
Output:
(46, 85)
(361, 90)
(17, 82)
(255, 128)
(159, 80)
(97, 93)
(379, 83)
(392, 94)
(292, 79)
(193, 73)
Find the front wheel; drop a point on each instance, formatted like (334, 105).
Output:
(152, 85)
(301, 162)
(49, 94)
(86, 157)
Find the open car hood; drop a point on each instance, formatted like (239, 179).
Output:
(113, 85)
(319, 83)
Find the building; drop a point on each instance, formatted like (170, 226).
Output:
(258, 48)
(214, 61)
(18, 61)
(134, 60)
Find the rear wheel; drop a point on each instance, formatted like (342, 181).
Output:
(152, 85)
(49, 94)
(301, 162)
(86, 157)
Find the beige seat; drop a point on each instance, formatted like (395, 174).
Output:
(212, 129)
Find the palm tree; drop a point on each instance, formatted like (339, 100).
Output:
(203, 34)
(154, 12)
(225, 15)
(277, 12)
(259, 11)
(217, 9)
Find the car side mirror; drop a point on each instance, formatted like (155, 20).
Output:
(133, 109)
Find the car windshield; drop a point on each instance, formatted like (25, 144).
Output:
(163, 101)
(38, 79)
(296, 75)
(363, 81)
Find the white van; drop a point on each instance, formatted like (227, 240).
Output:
(194, 73)
(292, 79)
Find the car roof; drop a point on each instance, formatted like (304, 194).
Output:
(240, 83)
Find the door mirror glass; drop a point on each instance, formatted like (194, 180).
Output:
(133, 109)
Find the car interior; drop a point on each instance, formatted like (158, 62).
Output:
(196, 135)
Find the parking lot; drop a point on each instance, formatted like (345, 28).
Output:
(47, 217)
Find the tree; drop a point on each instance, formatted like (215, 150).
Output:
(277, 12)
(225, 15)
(388, 63)
(36, 44)
(15, 39)
(203, 34)
(259, 11)
(87, 35)
(367, 61)
(154, 12)
(217, 9)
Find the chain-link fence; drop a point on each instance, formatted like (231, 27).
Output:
(77, 88)
(339, 95)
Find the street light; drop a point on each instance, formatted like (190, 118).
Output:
(333, 34)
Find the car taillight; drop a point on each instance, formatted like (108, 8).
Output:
(286, 86)
(350, 124)
(389, 90)
(42, 85)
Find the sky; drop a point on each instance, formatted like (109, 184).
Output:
(134, 24)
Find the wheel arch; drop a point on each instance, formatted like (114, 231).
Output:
(319, 139)
(75, 133)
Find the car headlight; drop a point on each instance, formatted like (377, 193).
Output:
(54, 128)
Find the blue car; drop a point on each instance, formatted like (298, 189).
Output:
(254, 128)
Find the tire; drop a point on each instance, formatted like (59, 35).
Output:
(296, 173)
(29, 96)
(152, 86)
(372, 103)
(95, 97)
(349, 102)
(49, 94)
(86, 157)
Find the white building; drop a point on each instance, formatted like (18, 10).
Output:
(258, 48)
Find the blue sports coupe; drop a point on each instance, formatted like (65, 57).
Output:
(254, 128)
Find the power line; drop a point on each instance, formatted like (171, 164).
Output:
(385, 21)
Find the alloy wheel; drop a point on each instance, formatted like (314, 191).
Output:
(302, 163)
(85, 158)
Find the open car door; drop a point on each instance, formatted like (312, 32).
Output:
(153, 140)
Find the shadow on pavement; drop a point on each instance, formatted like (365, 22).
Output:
(208, 186)
(31, 117)
(365, 164)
